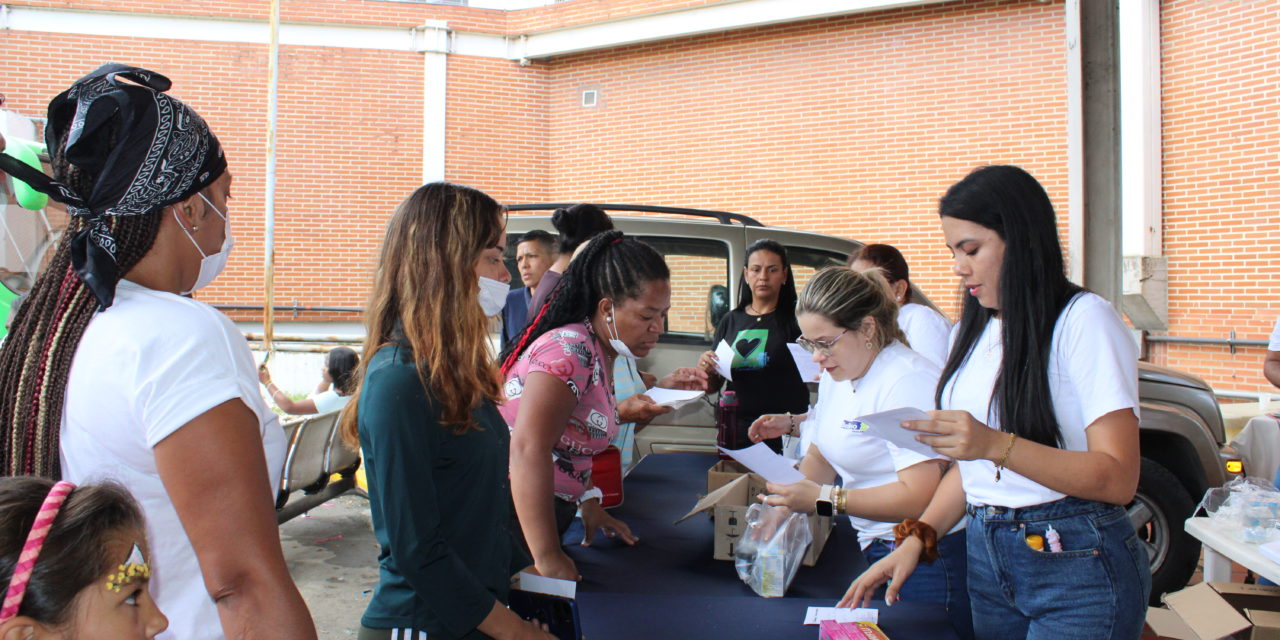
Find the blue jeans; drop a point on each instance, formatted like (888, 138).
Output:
(943, 581)
(1096, 587)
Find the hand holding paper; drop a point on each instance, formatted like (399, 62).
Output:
(887, 425)
(674, 398)
(724, 360)
(762, 460)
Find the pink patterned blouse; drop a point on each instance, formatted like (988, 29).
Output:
(571, 354)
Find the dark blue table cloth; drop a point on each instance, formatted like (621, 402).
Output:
(669, 587)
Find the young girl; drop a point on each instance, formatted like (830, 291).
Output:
(75, 562)
(849, 324)
(1039, 404)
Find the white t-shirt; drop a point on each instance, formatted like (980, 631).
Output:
(898, 378)
(927, 331)
(1275, 338)
(329, 400)
(1093, 370)
(145, 367)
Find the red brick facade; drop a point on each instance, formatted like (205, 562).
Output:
(850, 125)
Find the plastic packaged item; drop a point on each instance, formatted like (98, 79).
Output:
(771, 549)
(1036, 542)
(1248, 507)
(727, 423)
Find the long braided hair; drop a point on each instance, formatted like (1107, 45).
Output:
(36, 357)
(610, 266)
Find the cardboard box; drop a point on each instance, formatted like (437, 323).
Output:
(728, 504)
(724, 472)
(1216, 610)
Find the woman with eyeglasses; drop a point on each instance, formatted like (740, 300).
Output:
(849, 323)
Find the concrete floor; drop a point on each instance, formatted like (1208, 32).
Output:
(334, 560)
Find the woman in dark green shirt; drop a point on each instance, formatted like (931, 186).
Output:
(435, 448)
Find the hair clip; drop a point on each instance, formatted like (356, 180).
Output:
(134, 567)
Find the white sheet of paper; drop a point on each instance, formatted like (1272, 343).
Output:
(673, 397)
(724, 360)
(762, 460)
(888, 426)
(549, 586)
(809, 370)
(816, 615)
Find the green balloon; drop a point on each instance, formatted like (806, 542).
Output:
(28, 153)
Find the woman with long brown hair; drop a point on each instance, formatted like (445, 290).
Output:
(435, 447)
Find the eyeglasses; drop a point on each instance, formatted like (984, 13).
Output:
(819, 345)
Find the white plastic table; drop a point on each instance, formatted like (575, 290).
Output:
(1221, 549)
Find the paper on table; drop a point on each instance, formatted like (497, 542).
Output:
(724, 360)
(887, 425)
(816, 615)
(809, 370)
(762, 460)
(549, 586)
(1271, 550)
(675, 398)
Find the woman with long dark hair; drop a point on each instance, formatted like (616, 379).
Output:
(928, 331)
(765, 378)
(113, 372)
(612, 303)
(1038, 402)
(337, 383)
(425, 416)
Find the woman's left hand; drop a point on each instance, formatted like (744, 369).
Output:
(800, 497)
(595, 518)
(685, 378)
(264, 376)
(958, 435)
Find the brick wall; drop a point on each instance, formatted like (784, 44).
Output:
(852, 125)
(1221, 122)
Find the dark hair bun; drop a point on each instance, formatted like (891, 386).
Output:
(579, 223)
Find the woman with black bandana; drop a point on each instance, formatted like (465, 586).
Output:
(111, 373)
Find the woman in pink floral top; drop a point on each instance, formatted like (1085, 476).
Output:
(611, 302)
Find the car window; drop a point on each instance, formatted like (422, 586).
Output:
(699, 286)
(806, 261)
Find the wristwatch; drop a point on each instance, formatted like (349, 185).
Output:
(594, 493)
(823, 506)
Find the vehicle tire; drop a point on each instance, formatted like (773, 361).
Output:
(1158, 512)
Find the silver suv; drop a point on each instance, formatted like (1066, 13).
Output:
(1181, 426)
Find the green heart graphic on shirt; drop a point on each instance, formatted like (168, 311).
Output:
(748, 349)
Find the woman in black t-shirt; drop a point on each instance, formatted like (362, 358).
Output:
(758, 329)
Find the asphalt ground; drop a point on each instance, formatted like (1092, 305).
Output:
(333, 558)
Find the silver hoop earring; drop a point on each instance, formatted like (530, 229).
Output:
(870, 346)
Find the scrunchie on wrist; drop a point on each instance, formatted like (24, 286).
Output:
(921, 530)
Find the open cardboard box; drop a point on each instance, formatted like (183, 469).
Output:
(1216, 610)
(731, 490)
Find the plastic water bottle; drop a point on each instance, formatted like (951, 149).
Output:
(727, 423)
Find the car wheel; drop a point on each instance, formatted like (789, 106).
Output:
(1158, 512)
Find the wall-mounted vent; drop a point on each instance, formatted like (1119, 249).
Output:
(590, 97)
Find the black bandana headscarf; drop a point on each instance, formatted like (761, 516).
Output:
(164, 153)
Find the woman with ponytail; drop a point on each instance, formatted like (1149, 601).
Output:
(1038, 404)
(611, 303)
(112, 372)
(435, 448)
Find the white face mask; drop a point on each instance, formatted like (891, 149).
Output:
(618, 345)
(210, 265)
(493, 295)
